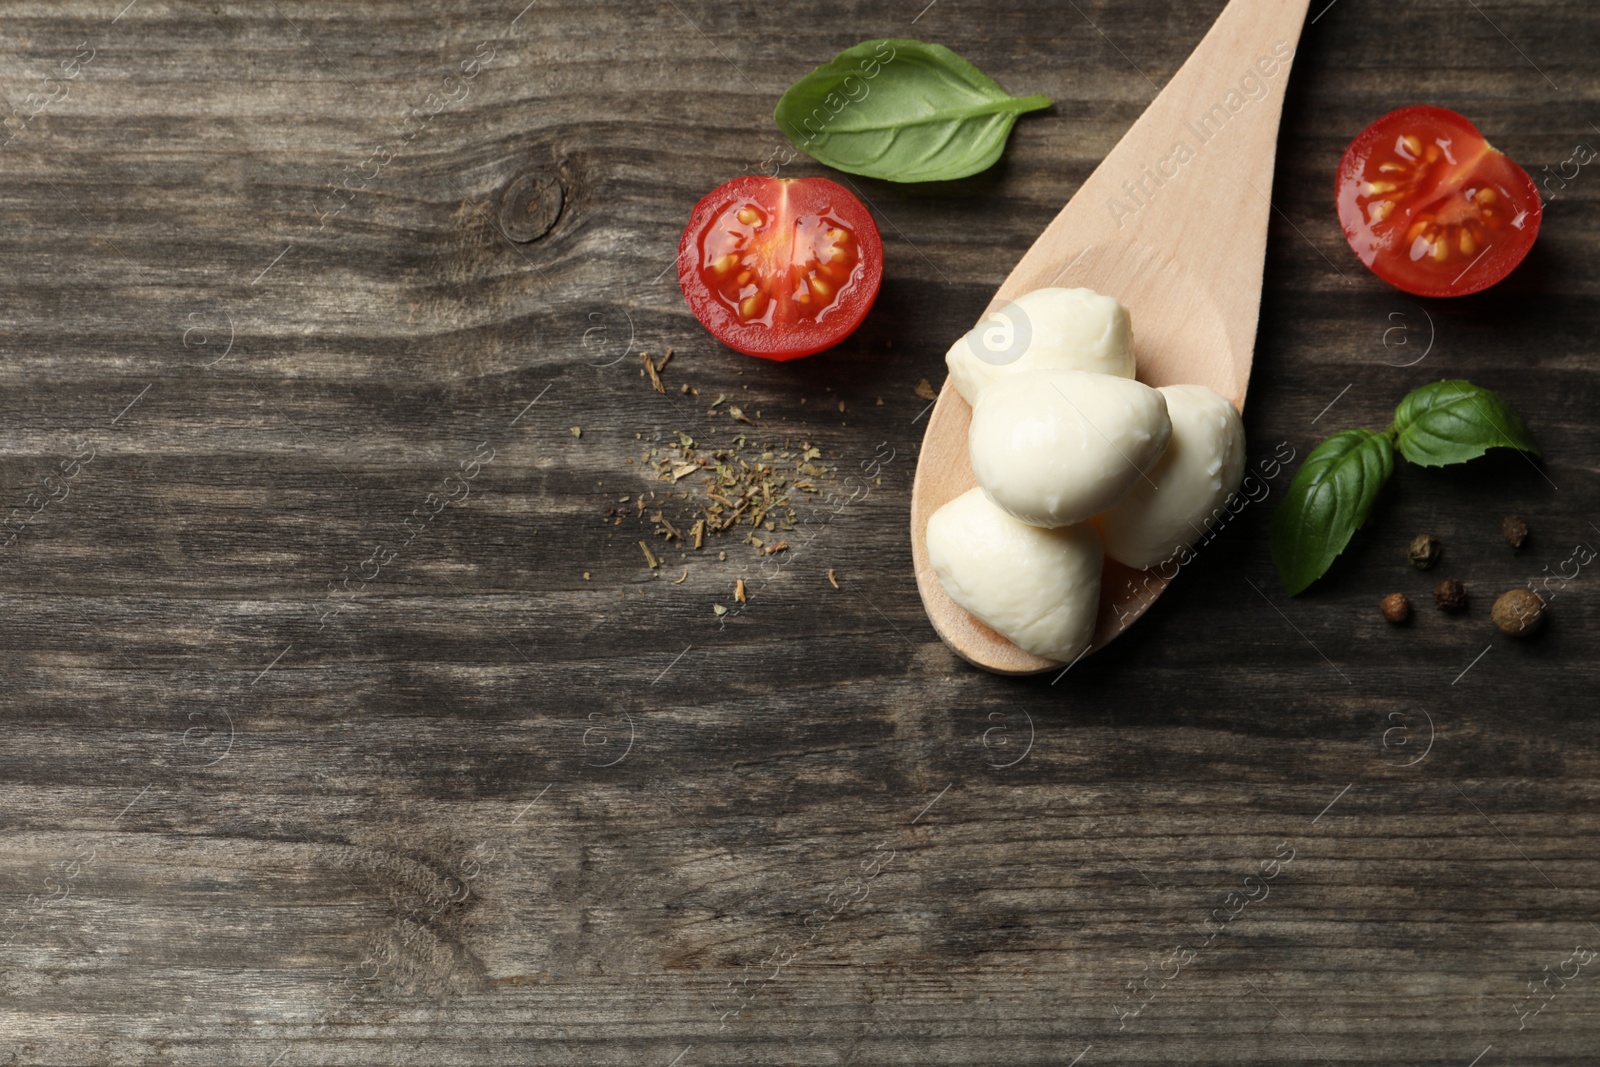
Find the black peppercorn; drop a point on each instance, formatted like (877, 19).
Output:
(1425, 551)
(1451, 596)
(1514, 530)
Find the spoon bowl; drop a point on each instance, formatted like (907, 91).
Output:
(1173, 224)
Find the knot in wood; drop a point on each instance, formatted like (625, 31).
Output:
(530, 205)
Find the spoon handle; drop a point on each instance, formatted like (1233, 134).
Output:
(1193, 175)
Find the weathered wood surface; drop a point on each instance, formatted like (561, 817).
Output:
(238, 830)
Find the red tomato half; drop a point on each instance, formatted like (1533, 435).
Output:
(780, 267)
(1432, 207)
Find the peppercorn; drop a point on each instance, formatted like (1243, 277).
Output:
(1519, 612)
(1396, 608)
(1450, 595)
(1425, 551)
(1514, 530)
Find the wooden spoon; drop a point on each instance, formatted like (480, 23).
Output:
(1173, 223)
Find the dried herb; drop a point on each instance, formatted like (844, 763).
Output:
(747, 489)
(726, 490)
(664, 524)
(651, 369)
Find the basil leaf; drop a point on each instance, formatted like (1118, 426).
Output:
(1327, 502)
(902, 110)
(1454, 421)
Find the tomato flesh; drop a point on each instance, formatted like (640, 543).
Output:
(780, 268)
(1431, 207)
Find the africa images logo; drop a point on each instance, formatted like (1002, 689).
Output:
(1210, 124)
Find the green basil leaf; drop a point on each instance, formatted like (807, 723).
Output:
(1454, 421)
(902, 110)
(1327, 502)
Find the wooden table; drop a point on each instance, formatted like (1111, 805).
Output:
(345, 723)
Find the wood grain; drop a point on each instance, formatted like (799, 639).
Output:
(240, 830)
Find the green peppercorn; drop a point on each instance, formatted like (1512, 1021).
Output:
(1425, 551)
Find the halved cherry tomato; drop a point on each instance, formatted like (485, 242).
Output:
(1432, 207)
(780, 267)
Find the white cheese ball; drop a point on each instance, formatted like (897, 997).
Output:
(1047, 329)
(1040, 589)
(1199, 471)
(1055, 447)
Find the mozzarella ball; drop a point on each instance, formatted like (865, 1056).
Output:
(1187, 489)
(1040, 589)
(1047, 329)
(1055, 447)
